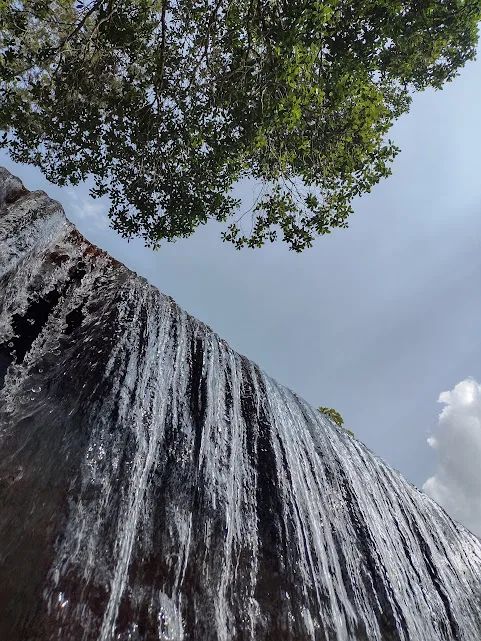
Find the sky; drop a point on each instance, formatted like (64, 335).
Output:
(376, 321)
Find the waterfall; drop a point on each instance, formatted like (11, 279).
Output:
(156, 485)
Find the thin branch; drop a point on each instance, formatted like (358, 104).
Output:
(158, 82)
(71, 35)
(205, 53)
(101, 22)
(165, 6)
(92, 10)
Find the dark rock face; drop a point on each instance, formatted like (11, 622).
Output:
(155, 485)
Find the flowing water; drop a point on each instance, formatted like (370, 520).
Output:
(156, 485)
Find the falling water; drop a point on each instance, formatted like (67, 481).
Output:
(156, 485)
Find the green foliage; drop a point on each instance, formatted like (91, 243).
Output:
(334, 416)
(168, 103)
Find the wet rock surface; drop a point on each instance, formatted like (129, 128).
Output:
(156, 485)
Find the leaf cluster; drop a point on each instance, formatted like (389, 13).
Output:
(168, 103)
(332, 414)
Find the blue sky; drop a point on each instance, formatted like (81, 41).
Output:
(376, 320)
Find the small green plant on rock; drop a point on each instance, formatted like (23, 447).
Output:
(335, 416)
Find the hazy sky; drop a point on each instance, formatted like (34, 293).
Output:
(375, 321)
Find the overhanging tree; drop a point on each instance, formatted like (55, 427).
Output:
(167, 104)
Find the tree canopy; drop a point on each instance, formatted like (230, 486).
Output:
(168, 103)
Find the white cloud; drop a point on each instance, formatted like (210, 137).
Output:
(81, 207)
(456, 485)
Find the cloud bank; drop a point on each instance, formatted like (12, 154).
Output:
(456, 485)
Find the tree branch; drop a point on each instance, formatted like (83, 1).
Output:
(92, 10)
(205, 53)
(158, 82)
